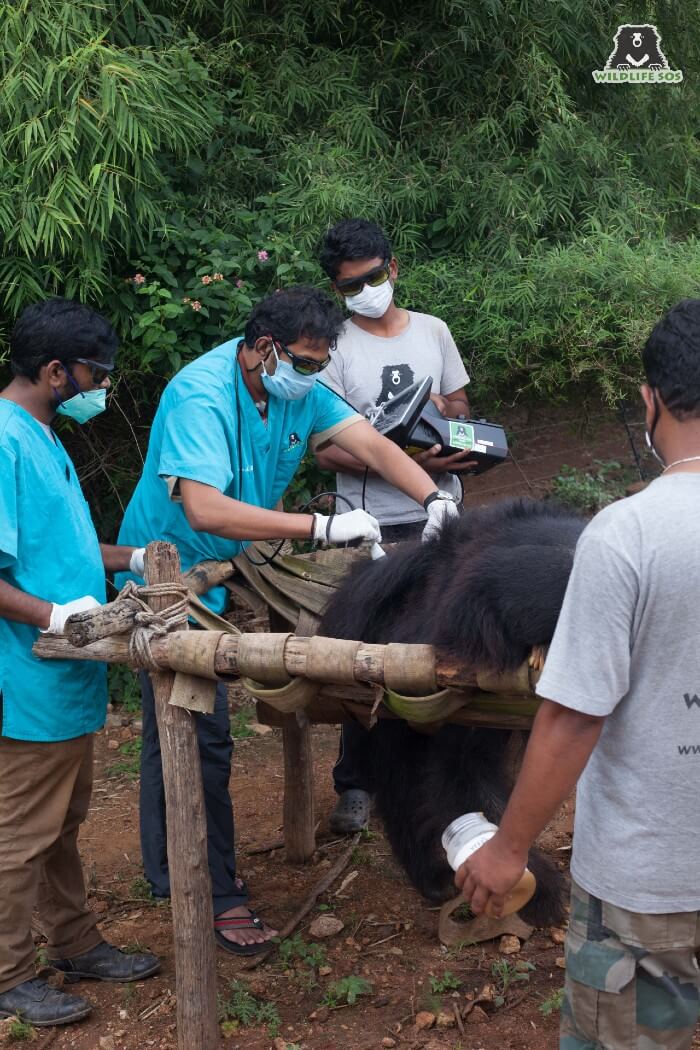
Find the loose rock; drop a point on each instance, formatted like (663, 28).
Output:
(556, 935)
(424, 1020)
(477, 1016)
(326, 926)
(445, 1020)
(386, 1041)
(107, 1042)
(560, 962)
(325, 971)
(509, 945)
(113, 745)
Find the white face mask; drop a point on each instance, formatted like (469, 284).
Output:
(371, 302)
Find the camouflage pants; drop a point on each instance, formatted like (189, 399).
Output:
(632, 980)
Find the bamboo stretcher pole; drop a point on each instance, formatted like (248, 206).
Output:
(332, 667)
(193, 920)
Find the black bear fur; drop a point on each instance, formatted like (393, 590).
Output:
(485, 592)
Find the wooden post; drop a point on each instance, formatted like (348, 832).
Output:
(190, 885)
(299, 817)
(299, 810)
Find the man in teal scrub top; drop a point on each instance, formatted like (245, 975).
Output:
(228, 436)
(51, 565)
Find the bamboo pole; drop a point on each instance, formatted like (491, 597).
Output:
(193, 919)
(367, 664)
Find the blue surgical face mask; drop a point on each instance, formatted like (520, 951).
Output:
(84, 405)
(285, 383)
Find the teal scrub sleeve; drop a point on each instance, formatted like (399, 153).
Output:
(8, 508)
(197, 445)
(330, 409)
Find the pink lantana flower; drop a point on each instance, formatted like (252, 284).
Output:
(138, 278)
(263, 255)
(187, 299)
(218, 277)
(207, 279)
(239, 283)
(196, 305)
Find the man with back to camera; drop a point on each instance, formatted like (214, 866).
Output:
(51, 565)
(382, 350)
(620, 711)
(230, 431)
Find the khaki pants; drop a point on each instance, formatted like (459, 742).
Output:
(632, 982)
(44, 797)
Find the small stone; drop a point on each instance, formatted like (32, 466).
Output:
(380, 1001)
(556, 935)
(445, 1020)
(325, 971)
(261, 730)
(424, 1020)
(112, 745)
(107, 1042)
(138, 725)
(560, 962)
(509, 945)
(322, 1014)
(395, 951)
(477, 1016)
(279, 1044)
(326, 926)
(123, 1015)
(386, 1041)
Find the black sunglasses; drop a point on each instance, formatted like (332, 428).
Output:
(374, 278)
(303, 365)
(98, 369)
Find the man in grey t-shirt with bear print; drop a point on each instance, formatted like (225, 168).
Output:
(620, 718)
(382, 350)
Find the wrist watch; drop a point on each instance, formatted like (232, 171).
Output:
(438, 494)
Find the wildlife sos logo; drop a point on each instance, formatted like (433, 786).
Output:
(637, 58)
(395, 378)
(293, 441)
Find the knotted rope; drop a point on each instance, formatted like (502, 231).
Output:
(149, 624)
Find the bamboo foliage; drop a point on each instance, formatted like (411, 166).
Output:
(84, 125)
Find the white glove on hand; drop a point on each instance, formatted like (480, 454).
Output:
(136, 561)
(60, 613)
(341, 528)
(438, 513)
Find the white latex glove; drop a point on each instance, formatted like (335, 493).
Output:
(341, 528)
(438, 513)
(60, 613)
(136, 561)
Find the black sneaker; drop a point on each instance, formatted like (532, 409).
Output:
(38, 1003)
(107, 963)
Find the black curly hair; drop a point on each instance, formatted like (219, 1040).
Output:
(59, 330)
(352, 239)
(671, 359)
(294, 313)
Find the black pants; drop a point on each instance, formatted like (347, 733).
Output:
(352, 770)
(215, 751)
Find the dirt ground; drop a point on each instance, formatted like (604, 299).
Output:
(389, 936)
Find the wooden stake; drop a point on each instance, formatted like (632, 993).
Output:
(193, 919)
(299, 814)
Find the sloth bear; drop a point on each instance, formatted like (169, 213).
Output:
(486, 591)
(637, 47)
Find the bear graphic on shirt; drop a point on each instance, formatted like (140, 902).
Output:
(395, 379)
(637, 47)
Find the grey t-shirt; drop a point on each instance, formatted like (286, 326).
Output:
(626, 646)
(367, 370)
